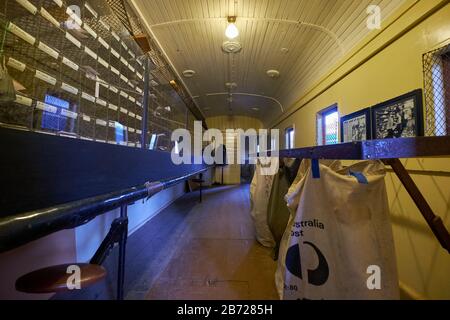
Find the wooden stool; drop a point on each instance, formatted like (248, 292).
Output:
(54, 279)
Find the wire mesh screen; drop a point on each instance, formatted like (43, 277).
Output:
(167, 113)
(327, 122)
(436, 68)
(75, 71)
(331, 121)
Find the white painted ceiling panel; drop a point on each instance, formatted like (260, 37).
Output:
(317, 33)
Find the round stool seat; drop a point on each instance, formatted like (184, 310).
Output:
(54, 278)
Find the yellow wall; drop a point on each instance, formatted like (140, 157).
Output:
(233, 122)
(375, 72)
(232, 173)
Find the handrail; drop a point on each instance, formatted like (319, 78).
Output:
(25, 227)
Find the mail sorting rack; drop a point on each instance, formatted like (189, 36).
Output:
(75, 73)
(53, 211)
(168, 113)
(390, 151)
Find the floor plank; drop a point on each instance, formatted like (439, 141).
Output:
(219, 258)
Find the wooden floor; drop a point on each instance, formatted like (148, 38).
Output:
(194, 251)
(216, 256)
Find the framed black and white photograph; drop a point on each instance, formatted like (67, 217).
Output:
(356, 126)
(400, 117)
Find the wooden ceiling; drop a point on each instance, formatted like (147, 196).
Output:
(302, 39)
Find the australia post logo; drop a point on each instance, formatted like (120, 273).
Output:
(320, 274)
(317, 276)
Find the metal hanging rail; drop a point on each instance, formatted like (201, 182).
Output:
(375, 149)
(389, 151)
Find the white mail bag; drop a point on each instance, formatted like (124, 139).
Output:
(260, 191)
(338, 244)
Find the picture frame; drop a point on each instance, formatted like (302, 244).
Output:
(401, 117)
(356, 126)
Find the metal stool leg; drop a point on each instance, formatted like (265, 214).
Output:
(122, 247)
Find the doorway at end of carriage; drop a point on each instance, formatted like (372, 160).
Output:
(243, 147)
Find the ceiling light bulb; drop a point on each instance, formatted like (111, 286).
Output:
(232, 31)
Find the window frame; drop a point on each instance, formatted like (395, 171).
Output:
(436, 72)
(321, 128)
(445, 58)
(288, 139)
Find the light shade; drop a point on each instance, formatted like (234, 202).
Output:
(232, 31)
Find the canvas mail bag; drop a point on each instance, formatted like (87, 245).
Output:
(278, 213)
(338, 243)
(260, 191)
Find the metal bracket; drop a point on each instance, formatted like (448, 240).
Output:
(117, 234)
(435, 222)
